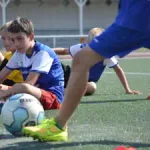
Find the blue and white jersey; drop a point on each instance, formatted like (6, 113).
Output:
(44, 61)
(134, 14)
(97, 70)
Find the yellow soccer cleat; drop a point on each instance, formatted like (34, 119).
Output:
(47, 131)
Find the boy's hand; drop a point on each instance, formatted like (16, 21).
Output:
(3, 87)
(133, 92)
(4, 95)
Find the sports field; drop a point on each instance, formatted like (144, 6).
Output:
(105, 120)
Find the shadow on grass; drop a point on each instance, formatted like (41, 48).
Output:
(112, 101)
(8, 136)
(47, 145)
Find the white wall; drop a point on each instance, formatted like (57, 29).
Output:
(53, 15)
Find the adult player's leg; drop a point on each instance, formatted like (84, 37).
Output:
(82, 62)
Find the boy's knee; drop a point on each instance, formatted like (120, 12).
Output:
(80, 60)
(91, 88)
(77, 59)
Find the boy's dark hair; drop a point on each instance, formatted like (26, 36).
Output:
(21, 25)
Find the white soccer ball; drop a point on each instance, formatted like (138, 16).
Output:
(21, 110)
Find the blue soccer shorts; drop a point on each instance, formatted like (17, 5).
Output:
(118, 40)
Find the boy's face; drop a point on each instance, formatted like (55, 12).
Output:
(21, 41)
(7, 42)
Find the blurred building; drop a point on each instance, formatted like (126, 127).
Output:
(62, 14)
(57, 17)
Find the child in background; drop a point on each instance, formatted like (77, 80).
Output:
(97, 70)
(15, 76)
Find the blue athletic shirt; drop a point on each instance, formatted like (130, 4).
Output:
(97, 70)
(134, 14)
(44, 61)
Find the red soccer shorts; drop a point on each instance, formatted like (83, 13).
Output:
(49, 100)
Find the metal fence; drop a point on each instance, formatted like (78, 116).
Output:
(59, 40)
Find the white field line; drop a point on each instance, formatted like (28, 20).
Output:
(130, 58)
(135, 58)
(131, 73)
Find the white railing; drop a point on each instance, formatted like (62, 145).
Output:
(55, 37)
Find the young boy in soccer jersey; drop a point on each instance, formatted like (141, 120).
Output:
(39, 64)
(97, 70)
(15, 76)
(130, 30)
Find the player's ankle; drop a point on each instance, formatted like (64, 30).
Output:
(59, 125)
